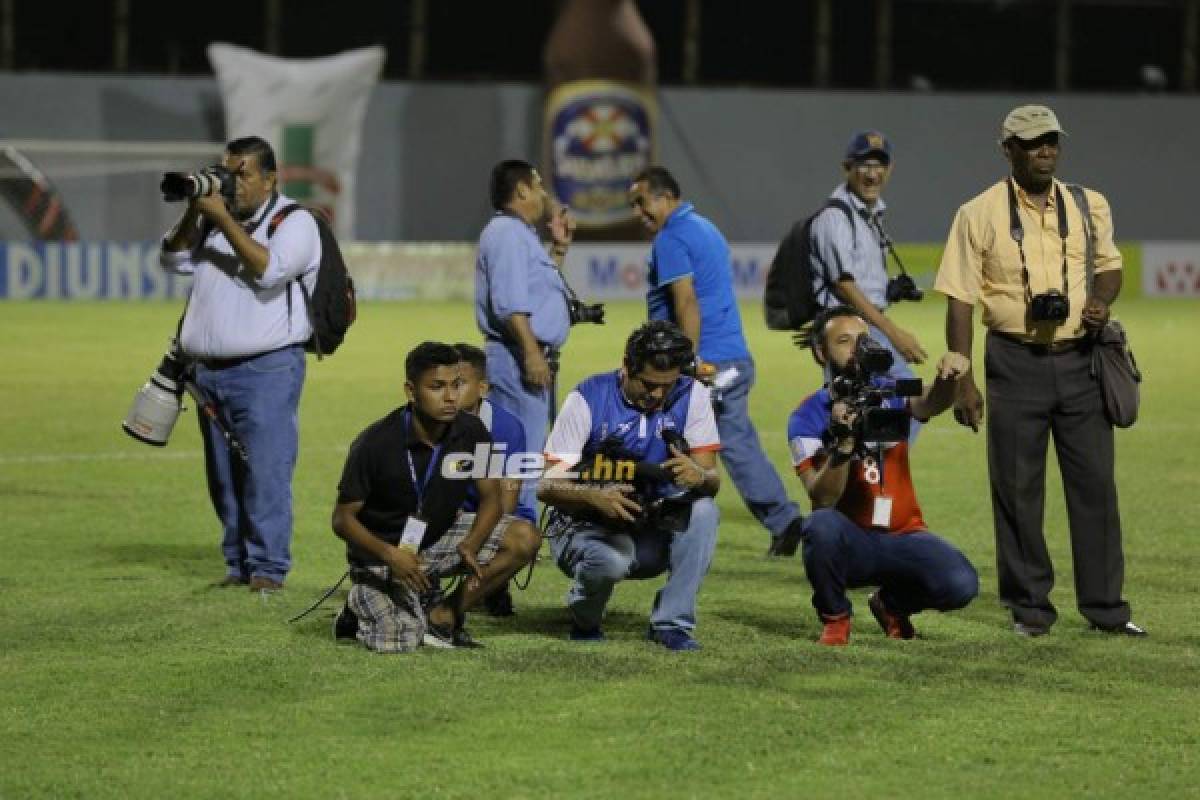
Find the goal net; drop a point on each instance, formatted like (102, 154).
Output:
(58, 189)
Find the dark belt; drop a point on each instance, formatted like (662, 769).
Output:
(227, 364)
(1045, 348)
(549, 351)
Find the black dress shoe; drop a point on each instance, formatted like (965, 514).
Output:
(784, 545)
(1126, 629)
(345, 625)
(499, 603)
(1030, 630)
(461, 638)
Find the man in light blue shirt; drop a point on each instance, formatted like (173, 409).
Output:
(521, 299)
(246, 326)
(848, 250)
(690, 283)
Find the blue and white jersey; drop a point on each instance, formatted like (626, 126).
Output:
(507, 430)
(597, 409)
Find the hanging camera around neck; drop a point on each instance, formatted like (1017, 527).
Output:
(1051, 305)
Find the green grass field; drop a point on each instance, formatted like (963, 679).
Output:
(124, 675)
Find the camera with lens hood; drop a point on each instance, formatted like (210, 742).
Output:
(179, 186)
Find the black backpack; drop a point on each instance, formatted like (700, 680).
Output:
(332, 307)
(789, 301)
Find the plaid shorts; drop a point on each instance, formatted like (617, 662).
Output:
(391, 618)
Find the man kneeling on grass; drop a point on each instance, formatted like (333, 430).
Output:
(866, 528)
(399, 511)
(632, 486)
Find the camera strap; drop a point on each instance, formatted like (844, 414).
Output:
(875, 221)
(1018, 234)
(253, 227)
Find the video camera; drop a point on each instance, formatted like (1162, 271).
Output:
(666, 506)
(865, 387)
(179, 186)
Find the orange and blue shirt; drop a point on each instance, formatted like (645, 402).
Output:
(868, 478)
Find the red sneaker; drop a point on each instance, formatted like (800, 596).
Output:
(836, 632)
(896, 626)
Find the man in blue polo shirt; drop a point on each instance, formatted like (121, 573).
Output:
(691, 284)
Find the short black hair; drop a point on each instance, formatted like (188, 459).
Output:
(659, 181)
(659, 344)
(505, 177)
(813, 333)
(427, 356)
(254, 146)
(472, 355)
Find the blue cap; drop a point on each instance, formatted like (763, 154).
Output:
(869, 143)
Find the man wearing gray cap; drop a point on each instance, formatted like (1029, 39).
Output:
(1020, 249)
(849, 248)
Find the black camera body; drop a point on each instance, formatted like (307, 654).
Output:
(671, 512)
(585, 312)
(903, 287)
(1050, 306)
(864, 390)
(179, 186)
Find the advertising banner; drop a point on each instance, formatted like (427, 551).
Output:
(86, 271)
(1171, 269)
(310, 110)
(599, 135)
(618, 271)
(381, 271)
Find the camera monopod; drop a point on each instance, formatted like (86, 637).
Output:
(209, 409)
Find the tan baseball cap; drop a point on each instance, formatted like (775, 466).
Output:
(1030, 122)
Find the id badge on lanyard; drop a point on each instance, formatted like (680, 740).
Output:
(414, 526)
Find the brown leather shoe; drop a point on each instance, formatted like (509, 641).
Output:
(260, 584)
(230, 580)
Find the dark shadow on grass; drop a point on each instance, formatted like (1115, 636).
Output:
(551, 622)
(771, 622)
(190, 560)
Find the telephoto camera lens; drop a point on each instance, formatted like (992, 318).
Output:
(158, 403)
(179, 186)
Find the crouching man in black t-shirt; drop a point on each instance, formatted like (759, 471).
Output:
(399, 511)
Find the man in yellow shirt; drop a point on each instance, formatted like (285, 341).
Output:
(1020, 249)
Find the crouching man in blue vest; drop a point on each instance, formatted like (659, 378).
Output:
(631, 479)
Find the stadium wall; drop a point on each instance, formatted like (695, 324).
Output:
(753, 160)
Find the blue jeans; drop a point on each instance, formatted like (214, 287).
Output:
(741, 452)
(597, 559)
(258, 399)
(915, 571)
(531, 406)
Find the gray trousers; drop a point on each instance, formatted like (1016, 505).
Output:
(1032, 393)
